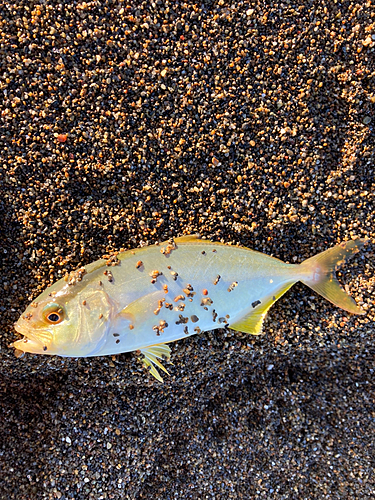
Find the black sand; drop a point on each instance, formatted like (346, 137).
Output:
(124, 124)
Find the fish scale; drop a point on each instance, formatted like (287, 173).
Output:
(144, 298)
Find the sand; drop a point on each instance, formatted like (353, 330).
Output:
(123, 124)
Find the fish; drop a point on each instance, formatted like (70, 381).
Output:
(143, 299)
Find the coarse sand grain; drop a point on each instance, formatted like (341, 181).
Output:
(126, 123)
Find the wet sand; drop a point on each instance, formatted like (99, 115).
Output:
(126, 124)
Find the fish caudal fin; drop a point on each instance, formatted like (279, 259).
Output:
(150, 359)
(320, 274)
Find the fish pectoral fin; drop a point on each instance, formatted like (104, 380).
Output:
(141, 307)
(151, 355)
(253, 322)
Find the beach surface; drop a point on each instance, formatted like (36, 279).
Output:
(124, 124)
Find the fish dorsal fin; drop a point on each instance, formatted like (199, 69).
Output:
(195, 238)
(151, 355)
(187, 238)
(253, 322)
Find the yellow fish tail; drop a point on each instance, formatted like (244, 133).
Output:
(319, 274)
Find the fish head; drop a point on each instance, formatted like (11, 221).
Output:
(66, 321)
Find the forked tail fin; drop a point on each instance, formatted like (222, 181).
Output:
(319, 274)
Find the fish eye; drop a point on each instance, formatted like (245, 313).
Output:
(53, 313)
(53, 317)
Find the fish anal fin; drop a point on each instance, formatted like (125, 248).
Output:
(253, 322)
(150, 360)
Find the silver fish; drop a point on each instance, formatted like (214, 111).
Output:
(141, 300)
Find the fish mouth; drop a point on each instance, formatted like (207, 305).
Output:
(28, 345)
(33, 341)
